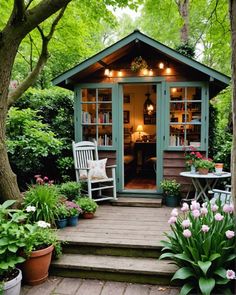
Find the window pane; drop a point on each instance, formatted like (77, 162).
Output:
(104, 135)
(104, 94)
(89, 113)
(177, 135)
(105, 113)
(89, 133)
(194, 93)
(194, 109)
(193, 135)
(88, 95)
(177, 93)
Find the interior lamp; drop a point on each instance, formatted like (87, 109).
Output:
(139, 130)
(148, 105)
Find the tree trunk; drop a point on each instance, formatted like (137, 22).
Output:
(183, 6)
(232, 14)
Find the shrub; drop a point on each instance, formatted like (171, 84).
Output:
(70, 189)
(87, 205)
(202, 244)
(170, 187)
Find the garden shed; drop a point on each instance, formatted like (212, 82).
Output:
(143, 102)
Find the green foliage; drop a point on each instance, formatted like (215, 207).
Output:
(202, 244)
(29, 140)
(62, 211)
(87, 205)
(65, 166)
(186, 49)
(204, 163)
(45, 199)
(70, 189)
(170, 187)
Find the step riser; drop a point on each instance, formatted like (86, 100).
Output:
(111, 251)
(111, 276)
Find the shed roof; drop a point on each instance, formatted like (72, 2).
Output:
(71, 77)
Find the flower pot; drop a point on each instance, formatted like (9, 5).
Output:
(171, 201)
(88, 215)
(35, 268)
(219, 168)
(193, 169)
(73, 220)
(203, 171)
(61, 223)
(13, 286)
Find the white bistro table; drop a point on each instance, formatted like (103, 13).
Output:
(209, 181)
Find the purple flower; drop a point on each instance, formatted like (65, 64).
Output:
(205, 228)
(219, 217)
(174, 212)
(186, 223)
(230, 274)
(187, 233)
(229, 234)
(196, 213)
(172, 220)
(204, 211)
(45, 178)
(185, 207)
(195, 205)
(214, 208)
(39, 180)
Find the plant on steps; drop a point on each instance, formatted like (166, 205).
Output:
(87, 205)
(70, 190)
(202, 244)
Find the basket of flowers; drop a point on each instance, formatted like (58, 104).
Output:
(138, 64)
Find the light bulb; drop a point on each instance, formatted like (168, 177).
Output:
(168, 70)
(161, 65)
(106, 72)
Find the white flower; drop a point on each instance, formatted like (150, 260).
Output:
(172, 220)
(30, 209)
(205, 228)
(230, 274)
(174, 212)
(43, 224)
(185, 207)
(186, 223)
(195, 205)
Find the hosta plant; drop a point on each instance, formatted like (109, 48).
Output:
(202, 244)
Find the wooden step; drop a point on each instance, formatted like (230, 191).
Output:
(137, 202)
(125, 269)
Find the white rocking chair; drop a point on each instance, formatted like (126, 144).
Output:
(83, 152)
(223, 195)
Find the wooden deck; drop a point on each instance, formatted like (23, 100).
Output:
(119, 244)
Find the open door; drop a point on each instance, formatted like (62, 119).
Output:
(139, 137)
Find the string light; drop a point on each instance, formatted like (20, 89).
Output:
(106, 72)
(120, 74)
(150, 73)
(161, 65)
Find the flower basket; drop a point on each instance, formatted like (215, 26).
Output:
(138, 64)
(203, 171)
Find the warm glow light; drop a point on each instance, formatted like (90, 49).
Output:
(139, 128)
(150, 108)
(106, 72)
(173, 90)
(110, 73)
(150, 73)
(145, 72)
(161, 65)
(168, 70)
(120, 74)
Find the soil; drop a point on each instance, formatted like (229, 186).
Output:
(9, 275)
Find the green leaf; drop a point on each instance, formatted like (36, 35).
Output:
(214, 256)
(206, 285)
(183, 273)
(8, 203)
(184, 257)
(220, 272)
(166, 255)
(12, 248)
(204, 266)
(4, 242)
(231, 257)
(186, 289)
(221, 281)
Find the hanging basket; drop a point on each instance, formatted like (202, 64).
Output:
(138, 64)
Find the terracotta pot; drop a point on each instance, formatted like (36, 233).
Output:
(88, 215)
(35, 268)
(203, 171)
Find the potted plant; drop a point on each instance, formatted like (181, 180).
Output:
(204, 165)
(70, 190)
(74, 211)
(62, 214)
(171, 191)
(40, 242)
(191, 155)
(12, 240)
(202, 244)
(88, 206)
(44, 196)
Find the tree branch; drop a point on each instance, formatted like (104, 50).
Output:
(44, 55)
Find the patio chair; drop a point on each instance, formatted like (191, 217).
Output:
(223, 195)
(91, 170)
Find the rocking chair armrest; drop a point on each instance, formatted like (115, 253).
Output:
(111, 166)
(82, 169)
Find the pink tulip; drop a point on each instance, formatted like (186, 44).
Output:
(229, 234)
(174, 212)
(214, 208)
(205, 228)
(230, 274)
(172, 220)
(219, 217)
(187, 233)
(196, 213)
(185, 207)
(195, 205)
(186, 223)
(204, 211)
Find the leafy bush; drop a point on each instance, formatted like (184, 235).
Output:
(202, 244)
(87, 205)
(70, 189)
(170, 187)
(29, 141)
